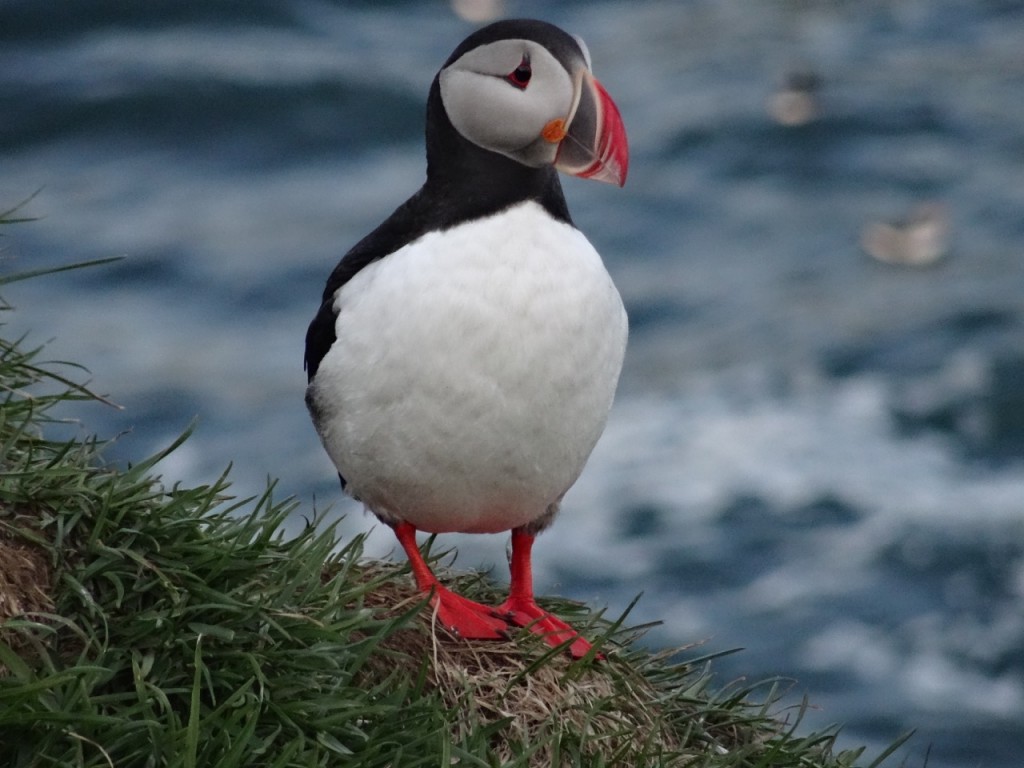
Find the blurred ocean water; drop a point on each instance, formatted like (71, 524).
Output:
(815, 455)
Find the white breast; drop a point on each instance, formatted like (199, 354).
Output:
(473, 372)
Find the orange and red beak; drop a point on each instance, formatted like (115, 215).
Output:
(594, 145)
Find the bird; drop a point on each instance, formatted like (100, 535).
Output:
(465, 355)
(919, 240)
(797, 101)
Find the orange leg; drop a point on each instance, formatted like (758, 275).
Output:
(521, 608)
(460, 616)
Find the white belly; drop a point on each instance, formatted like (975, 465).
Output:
(473, 373)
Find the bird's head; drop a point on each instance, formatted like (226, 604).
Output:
(524, 89)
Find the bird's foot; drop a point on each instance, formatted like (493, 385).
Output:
(466, 618)
(524, 612)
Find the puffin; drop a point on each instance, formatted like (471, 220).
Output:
(465, 354)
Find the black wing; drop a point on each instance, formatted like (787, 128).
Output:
(400, 228)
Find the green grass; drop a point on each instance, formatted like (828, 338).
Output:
(146, 624)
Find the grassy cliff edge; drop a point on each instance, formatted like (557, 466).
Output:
(143, 624)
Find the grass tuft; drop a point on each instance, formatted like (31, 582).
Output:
(143, 625)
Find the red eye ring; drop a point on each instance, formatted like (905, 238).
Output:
(520, 76)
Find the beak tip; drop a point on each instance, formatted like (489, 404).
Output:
(621, 172)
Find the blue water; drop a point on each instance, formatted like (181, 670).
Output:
(814, 456)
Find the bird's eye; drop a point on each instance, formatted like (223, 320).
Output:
(520, 76)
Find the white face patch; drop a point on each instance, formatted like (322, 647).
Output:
(496, 114)
(586, 51)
